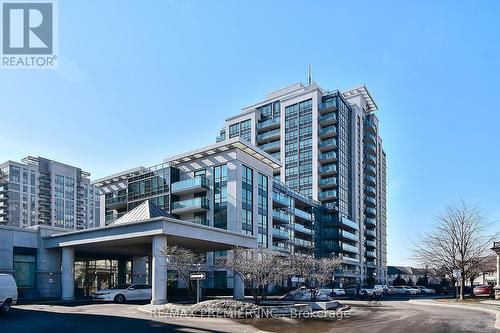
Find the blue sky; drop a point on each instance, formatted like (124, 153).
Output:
(141, 80)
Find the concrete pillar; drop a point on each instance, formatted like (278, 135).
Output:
(159, 271)
(67, 273)
(238, 286)
(122, 271)
(139, 272)
(497, 287)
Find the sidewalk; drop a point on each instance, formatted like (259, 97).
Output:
(489, 306)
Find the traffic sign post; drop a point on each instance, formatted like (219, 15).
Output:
(456, 275)
(197, 276)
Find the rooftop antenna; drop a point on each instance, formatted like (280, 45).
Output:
(309, 75)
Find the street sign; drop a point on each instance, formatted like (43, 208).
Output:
(197, 276)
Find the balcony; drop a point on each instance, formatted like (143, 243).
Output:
(328, 182)
(371, 254)
(190, 206)
(4, 197)
(327, 195)
(271, 146)
(328, 144)
(303, 215)
(370, 126)
(370, 138)
(370, 180)
(348, 235)
(371, 212)
(327, 106)
(192, 185)
(269, 124)
(370, 191)
(3, 189)
(281, 217)
(350, 261)
(328, 119)
(329, 169)
(3, 212)
(220, 137)
(370, 170)
(371, 149)
(279, 233)
(370, 201)
(302, 243)
(371, 222)
(328, 132)
(370, 159)
(345, 222)
(281, 200)
(271, 135)
(328, 157)
(3, 205)
(350, 248)
(281, 248)
(370, 233)
(370, 243)
(300, 228)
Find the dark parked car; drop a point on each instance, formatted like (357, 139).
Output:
(483, 290)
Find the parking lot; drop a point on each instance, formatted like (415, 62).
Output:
(388, 315)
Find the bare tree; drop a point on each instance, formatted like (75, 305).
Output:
(258, 267)
(315, 272)
(183, 261)
(458, 241)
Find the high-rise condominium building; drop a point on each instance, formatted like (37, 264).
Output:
(39, 191)
(331, 151)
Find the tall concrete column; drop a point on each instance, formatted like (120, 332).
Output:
(498, 269)
(67, 273)
(139, 272)
(238, 286)
(122, 271)
(159, 271)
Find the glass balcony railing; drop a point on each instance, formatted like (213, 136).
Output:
(303, 243)
(328, 157)
(281, 247)
(370, 180)
(370, 148)
(328, 169)
(371, 233)
(274, 122)
(349, 235)
(350, 248)
(302, 214)
(371, 254)
(371, 211)
(370, 190)
(303, 229)
(281, 233)
(328, 144)
(192, 183)
(371, 200)
(371, 221)
(281, 199)
(220, 138)
(281, 216)
(269, 135)
(328, 131)
(351, 224)
(369, 124)
(370, 169)
(195, 203)
(370, 158)
(329, 104)
(371, 243)
(271, 146)
(326, 195)
(329, 118)
(328, 182)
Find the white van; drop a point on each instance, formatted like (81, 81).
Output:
(8, 292)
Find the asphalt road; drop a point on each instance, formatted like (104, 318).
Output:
(386, 316)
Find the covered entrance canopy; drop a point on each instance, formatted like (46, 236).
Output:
(140, 233)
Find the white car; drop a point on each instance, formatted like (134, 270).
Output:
(333, 291)
(406, 290)
(8, 292)
(425, 290)
(120, 294)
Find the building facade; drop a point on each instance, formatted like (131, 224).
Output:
(40, 191)
(331, 151)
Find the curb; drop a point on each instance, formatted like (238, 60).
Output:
(467, 307)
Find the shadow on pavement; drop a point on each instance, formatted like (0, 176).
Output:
(29, 321)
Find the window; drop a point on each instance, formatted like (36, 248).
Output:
(220, 196)
(14, 174)
(247, 200)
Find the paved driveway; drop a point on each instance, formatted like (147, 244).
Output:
(388, 316)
